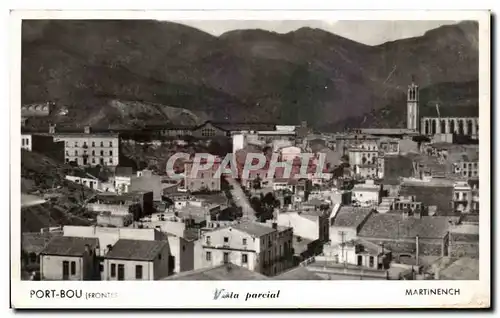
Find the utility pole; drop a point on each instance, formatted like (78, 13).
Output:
(342, 234)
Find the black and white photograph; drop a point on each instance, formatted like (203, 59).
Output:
(269, 150)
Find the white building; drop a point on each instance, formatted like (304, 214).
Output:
(366, 194)
(89, 149)
(262, 248)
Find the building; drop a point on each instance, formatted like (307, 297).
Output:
(137, 203)
(459, 120)
(137, 260)
(346, 224)
(209, 130)
(404, 235)
(312, 224)
(258, 247)
(389, 146)
(36, 110)
(468, 169)
(43, 144)
(86, 180)
(32, 245)
(363, 158)
(358, 252)
(204, 180)
(366, 194)
(407, 202)
(462, 197)
(89, 148)
(289, 153)
(181, 254)
(70, 258)
(412, 110)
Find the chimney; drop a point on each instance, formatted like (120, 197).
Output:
(86, 129)
(110, 247)
(52, 128)
(275, 225)
(158, 228)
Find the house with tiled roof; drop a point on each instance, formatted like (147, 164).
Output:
(137, 260)
(402, 234)
(347, 223)
(70, 258)
(260, 247)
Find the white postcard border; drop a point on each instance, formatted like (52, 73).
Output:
(293, 294)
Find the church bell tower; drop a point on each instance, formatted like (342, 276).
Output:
(412, 107)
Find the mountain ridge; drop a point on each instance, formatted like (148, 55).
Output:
(308, 74)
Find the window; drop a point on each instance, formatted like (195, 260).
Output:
(226, 239)
(244, 258)
(110, 152)
(208, 240)
(183, 248)
(73, 268)
(65, 269)
(22, 141)
(76, 152)
(138, 271)
(113, 270)
(93, 160)
(102, 144)
(159, 256)
(93, 143)
(457, 195)
(111, 144)
(208, 132)
(208, 256)
(84, 144)
(101, 268)
(372, 261)
(244, 241)
(110, 160)
(102, 153)
(93, 152)
(226, 257)
(76, 143)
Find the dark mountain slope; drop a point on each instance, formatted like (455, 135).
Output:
(242, 75)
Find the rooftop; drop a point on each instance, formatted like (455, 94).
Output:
(461, 269)
(36, 242)
(219, 272)
(69, 245)
(253, 228)
(394, 226)
(349, 216)
(298, 273)
(140, 250)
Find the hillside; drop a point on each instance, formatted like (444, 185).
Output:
(45, 178)
(458, 96)
(308, 74)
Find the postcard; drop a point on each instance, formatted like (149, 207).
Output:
(250, 159)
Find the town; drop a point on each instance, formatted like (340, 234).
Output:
(387, 203)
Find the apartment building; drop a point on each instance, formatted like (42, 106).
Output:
(266, 249)
(89, 148)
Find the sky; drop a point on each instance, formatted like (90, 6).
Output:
(366, 32)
